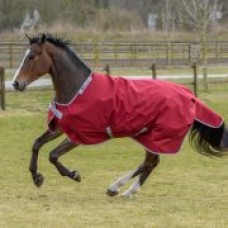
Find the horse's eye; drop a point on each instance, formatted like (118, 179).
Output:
(31, 57)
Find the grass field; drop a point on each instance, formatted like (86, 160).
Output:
(186, 190)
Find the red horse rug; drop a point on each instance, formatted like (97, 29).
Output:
(157, 114)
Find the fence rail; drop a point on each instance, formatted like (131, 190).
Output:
(129, 54)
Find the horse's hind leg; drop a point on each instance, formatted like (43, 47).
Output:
(143, 168)
(149, 164)
(114, 188)
(63, 148)
(224, 143)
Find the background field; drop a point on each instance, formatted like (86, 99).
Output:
(186, 190)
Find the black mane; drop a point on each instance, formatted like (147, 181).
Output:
(50, 38)
(58, 42)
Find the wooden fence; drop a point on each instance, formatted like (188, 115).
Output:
(2, 88)
(107, 69)
(129, 54)
(194, 82)
(126, 55)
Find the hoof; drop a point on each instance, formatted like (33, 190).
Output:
(75, 176)
(38, 179)
(112, 193)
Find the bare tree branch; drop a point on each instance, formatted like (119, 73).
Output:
(199, 14)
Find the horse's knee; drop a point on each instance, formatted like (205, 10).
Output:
(53, 158)
(36, 145)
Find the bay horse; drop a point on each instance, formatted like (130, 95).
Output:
(91, 108)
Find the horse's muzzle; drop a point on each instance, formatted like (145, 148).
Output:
(16, 85)
(19, 86)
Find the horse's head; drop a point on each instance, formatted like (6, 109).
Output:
(35, 63)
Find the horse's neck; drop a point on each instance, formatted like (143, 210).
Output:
(67, 76)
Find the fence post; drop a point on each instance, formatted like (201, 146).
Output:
(96, 54)
(132, 54)
(154, 71)
(194, 52)
(169, 53)
(195, 82)
(189, 53)
(115, 52)
(107, 69)
(217, 51)
(2, 88)
(10, 56)
(205, 78)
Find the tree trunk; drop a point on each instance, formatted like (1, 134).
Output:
(97, 3)
(205, 60)
(204, 47)
(106, 4)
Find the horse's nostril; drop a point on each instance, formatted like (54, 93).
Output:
(15, 84)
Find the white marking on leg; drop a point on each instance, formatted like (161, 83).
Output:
(133, 189)
(121, 181)
(22, 62)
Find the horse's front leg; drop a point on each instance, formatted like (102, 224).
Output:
(61, 149)
(47, 136)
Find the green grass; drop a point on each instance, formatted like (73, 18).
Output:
(186, 190)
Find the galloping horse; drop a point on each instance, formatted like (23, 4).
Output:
(91, 108)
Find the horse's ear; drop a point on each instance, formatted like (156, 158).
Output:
(27, 36)
(43, 38)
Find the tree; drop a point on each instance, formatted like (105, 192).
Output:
(200, 15)
(102, 3)
(168, 16)
(5, 11)
(12, 12)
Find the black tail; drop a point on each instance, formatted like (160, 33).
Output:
(208, 140)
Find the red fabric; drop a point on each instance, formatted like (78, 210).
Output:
(157, 114)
